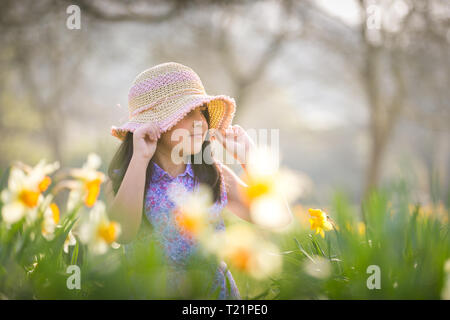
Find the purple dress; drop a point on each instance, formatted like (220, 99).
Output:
(176, 246)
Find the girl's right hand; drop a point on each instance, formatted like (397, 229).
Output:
(145, 139)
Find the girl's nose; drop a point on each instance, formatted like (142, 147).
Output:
(197, 123)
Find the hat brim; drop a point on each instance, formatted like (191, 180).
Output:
(221, 110)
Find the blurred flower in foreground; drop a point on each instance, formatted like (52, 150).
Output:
(70, 241)
(269, 190)
(98, 232)
(24, 192)
(50, 221)
(319, 267)
(319, 221)
(87, 186)
(192, 210)
(243, 249)
(445, 295)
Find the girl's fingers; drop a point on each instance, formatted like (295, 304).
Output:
(152, 135)
(155, 134)
(153, 131)
(219, 137)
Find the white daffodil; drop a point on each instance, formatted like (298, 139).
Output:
(50, 221)
(244, 250)
(87, 185)
(269, 190)
(98, 231)
(24, 192)
(70, 241)
(191, 211)
(319, 267)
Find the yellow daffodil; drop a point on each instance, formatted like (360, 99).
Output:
(98, 231)
(430, 210)
(361, 228)
(319, 221)
(87, 186)
(242, 249)
(24, 192)
(349, 226)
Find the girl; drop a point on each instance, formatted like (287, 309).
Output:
(163, 101)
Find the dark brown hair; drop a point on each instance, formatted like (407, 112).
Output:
(203, 172)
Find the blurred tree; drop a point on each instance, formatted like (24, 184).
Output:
(41, 65)
(401, 37)
(401, 61)
(401, 57)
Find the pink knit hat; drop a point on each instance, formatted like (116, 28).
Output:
(165, 93)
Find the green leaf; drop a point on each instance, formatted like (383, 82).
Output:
(303, 250)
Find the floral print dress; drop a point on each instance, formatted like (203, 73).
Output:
(176, 246)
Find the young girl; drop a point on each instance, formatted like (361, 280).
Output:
(164, 100)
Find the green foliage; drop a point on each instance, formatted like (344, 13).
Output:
(410, 246)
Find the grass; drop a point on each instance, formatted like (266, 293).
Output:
(407, 245)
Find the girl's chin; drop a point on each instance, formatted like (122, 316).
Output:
(194, 149)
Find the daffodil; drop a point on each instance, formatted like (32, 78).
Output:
(242, 249)
(87, 186)
(50, 221)
(430, 210)
(24, 192)
(361, 228)
(192, 209)
(260, 175)
(269, 190)
(98, 231)
(70, 241)
(319, 221)
(317, 267)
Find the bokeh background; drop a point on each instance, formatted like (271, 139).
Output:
(358, 89)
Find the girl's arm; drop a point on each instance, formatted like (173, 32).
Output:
(238, 143)
(236, 203)
(126, 207)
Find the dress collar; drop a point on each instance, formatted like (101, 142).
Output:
(159, 172)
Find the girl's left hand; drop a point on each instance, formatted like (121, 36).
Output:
(236, 141)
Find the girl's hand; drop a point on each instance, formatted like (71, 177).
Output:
(236, 141)
(145, 139)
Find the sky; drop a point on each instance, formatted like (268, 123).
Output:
(346, 10)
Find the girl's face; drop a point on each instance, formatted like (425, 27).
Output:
(188, 134)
